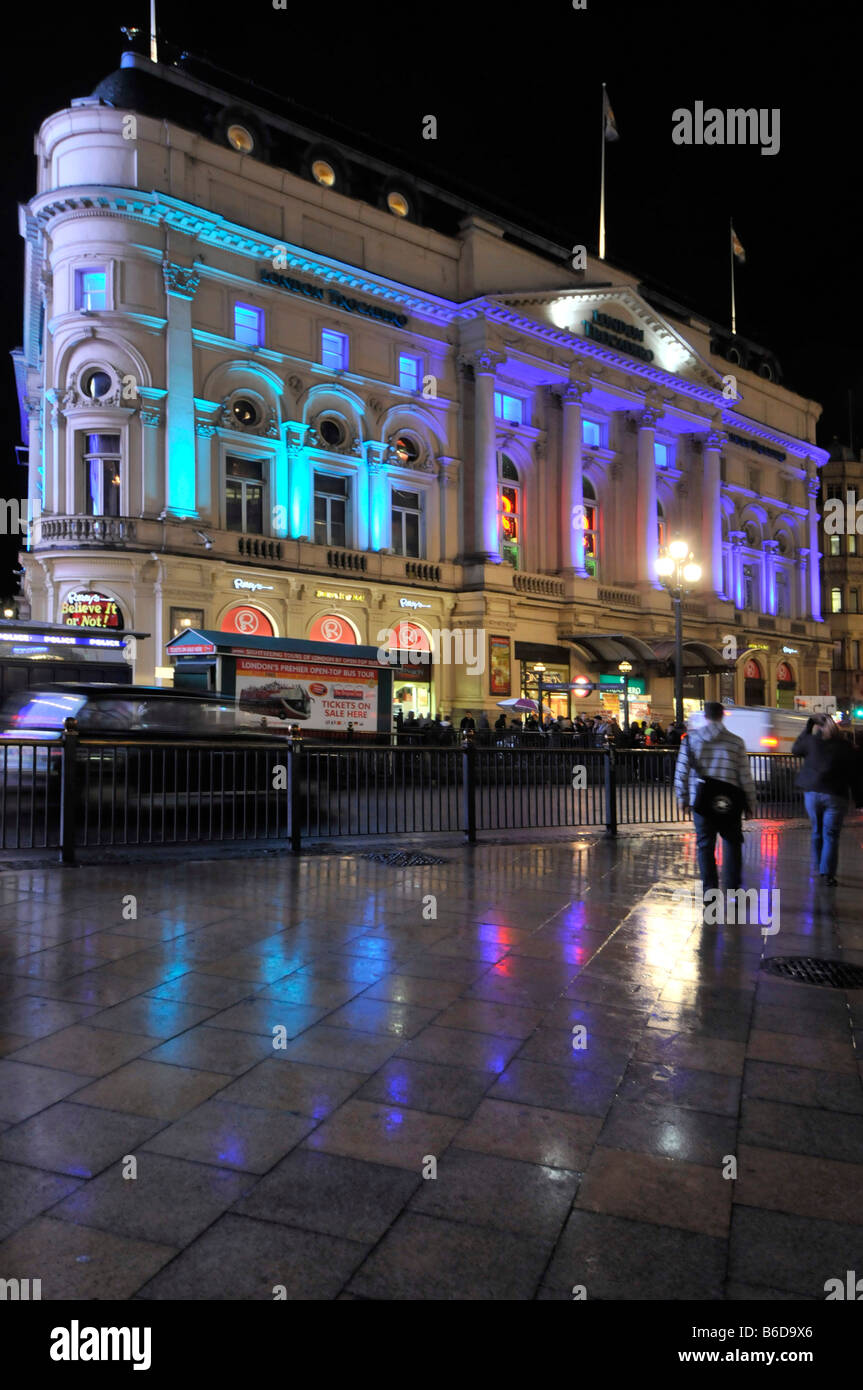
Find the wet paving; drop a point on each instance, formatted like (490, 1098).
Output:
(528, 1071)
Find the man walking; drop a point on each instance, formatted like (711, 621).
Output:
(712, 777)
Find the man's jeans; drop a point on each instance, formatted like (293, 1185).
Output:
(731, 831)
(826, 812)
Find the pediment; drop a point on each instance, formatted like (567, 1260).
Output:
(616, 318)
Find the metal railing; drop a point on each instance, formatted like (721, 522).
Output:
(82, 793)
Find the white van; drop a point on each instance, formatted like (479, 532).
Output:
(762, 730)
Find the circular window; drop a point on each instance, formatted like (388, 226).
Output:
(96, 385)
(332, 432)
(398, 204)
(323, 173)
(407, 449)
(241, 138)
(244, 412)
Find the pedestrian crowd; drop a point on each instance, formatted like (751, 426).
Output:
(597, 731)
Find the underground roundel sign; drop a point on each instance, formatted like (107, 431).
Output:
(248, 621)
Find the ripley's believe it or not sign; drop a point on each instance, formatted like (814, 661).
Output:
(91, 610)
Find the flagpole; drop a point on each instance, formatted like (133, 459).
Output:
(731, 248)
(602, 186)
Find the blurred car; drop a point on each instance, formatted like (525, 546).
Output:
(137, 716)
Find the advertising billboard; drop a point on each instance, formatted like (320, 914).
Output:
(317, 695)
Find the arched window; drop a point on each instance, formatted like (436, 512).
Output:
(510, 512)
(591, 527)
(661, 527)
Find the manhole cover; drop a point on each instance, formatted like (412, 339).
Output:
(809, 970)
(402, 860)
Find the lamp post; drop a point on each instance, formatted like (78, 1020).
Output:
(678, 573)
(624, 668)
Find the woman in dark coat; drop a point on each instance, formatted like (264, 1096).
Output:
(831, 773)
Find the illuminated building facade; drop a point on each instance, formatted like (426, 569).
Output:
(276, 386)
(842, 546)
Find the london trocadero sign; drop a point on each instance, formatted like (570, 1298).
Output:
(334, 297)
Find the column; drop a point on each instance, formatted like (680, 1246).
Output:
(380, 511)
(711, 513)
(805, 593)
(450, 544)
(572, 475)
(300, 482)
(181, 283)
(736, 567)
(812, 489)
(647, 540)
(486, 526)
(768, 587)
(209, 486)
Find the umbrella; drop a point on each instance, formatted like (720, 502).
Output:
(519, 703)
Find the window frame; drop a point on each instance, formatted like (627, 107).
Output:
(601, 428)
(405, 511)
(87, 460)
(259, 320)
(79, 293)
(263, 461)
(501, 395)
(344, 343)
(418, 363)
(346, 498)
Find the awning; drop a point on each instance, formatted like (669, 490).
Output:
(610, 648)
(699, 658)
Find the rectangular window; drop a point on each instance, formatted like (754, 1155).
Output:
(834, 490)
(334, 350)
(590, 539)
(508, 408)
(410, 372)
(750, 588)
(406, 523)
(835, 600)
(661, 455)
(102, 475)
(591, 433)
(331, 507)
(852, 544)
(184, 618)
(509, 525)
(835, 545)
(855, 656)
(853, 600)
(783, 606)
(837, 656)
(244, 495)
(91, 288)
(248, 325)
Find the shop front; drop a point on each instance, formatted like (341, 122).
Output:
(410, 652)
(693, 694)
(553, 664)
(786, 686)
(753, 682)
(611, 694)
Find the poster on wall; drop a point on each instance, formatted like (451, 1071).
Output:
(273, 694)
(499, 666)
(85, 609)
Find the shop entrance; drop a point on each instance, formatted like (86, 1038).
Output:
(753, 684)
(786, 686)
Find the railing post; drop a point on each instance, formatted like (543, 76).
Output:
(68, 791)
(610, 793)
(469, 786)
(295, 773)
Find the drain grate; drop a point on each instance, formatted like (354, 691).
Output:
(401, 859)
(809, 970)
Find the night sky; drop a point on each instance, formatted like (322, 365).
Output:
(517, 95)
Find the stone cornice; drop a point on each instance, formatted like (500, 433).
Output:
(798, 447)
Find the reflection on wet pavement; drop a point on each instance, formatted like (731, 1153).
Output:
(529, 1068)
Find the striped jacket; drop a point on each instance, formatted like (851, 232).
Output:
(721, 755)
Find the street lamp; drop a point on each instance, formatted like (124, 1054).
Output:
(678, 573)
(624, 668)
